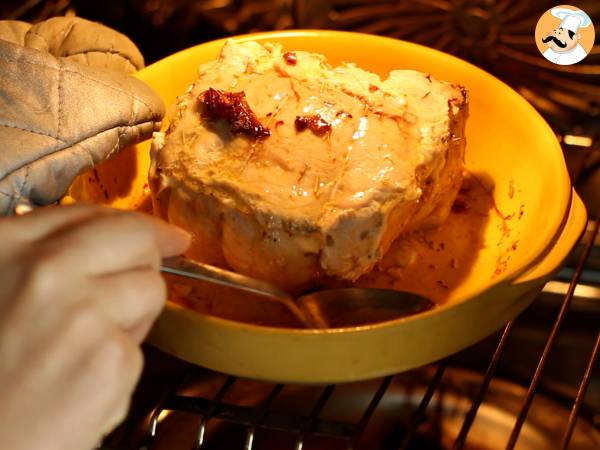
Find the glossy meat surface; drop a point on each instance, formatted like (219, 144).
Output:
(349, 163)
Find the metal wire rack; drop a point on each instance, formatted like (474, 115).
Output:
(262, 416)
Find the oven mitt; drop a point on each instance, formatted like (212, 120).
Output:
(66, 104)
(77, 40)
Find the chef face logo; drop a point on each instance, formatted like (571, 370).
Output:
(564, 35)
(561, 40)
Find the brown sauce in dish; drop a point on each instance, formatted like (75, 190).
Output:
(433, 262)
(233, 107)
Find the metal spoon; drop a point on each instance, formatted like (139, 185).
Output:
(320, 309)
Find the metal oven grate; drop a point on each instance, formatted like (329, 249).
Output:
(301, 427)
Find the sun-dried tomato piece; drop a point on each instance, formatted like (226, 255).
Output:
(315, 123)
(233, 107)
(290, 58)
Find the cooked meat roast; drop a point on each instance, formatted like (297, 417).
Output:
(289, 170)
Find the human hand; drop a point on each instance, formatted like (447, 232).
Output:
(80, 289)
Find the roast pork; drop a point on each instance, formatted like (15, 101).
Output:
(287, 169)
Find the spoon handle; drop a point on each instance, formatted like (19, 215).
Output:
(186, 268)
(183, 267)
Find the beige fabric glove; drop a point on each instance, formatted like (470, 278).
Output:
(77, 40)
(66, 105)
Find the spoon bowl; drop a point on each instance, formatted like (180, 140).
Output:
(348, 307)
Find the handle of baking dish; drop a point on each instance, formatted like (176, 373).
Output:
(572, 231)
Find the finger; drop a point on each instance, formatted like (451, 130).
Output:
(104, 374)
(114, 243)
(140, 332)
(131, 300)
(117, 366)
(169, 239)
(46, 220)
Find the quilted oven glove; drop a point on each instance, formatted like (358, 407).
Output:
(67, 103)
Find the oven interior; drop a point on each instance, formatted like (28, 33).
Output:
(533, 385)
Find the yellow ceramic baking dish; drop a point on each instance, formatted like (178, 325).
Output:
(508, 144)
